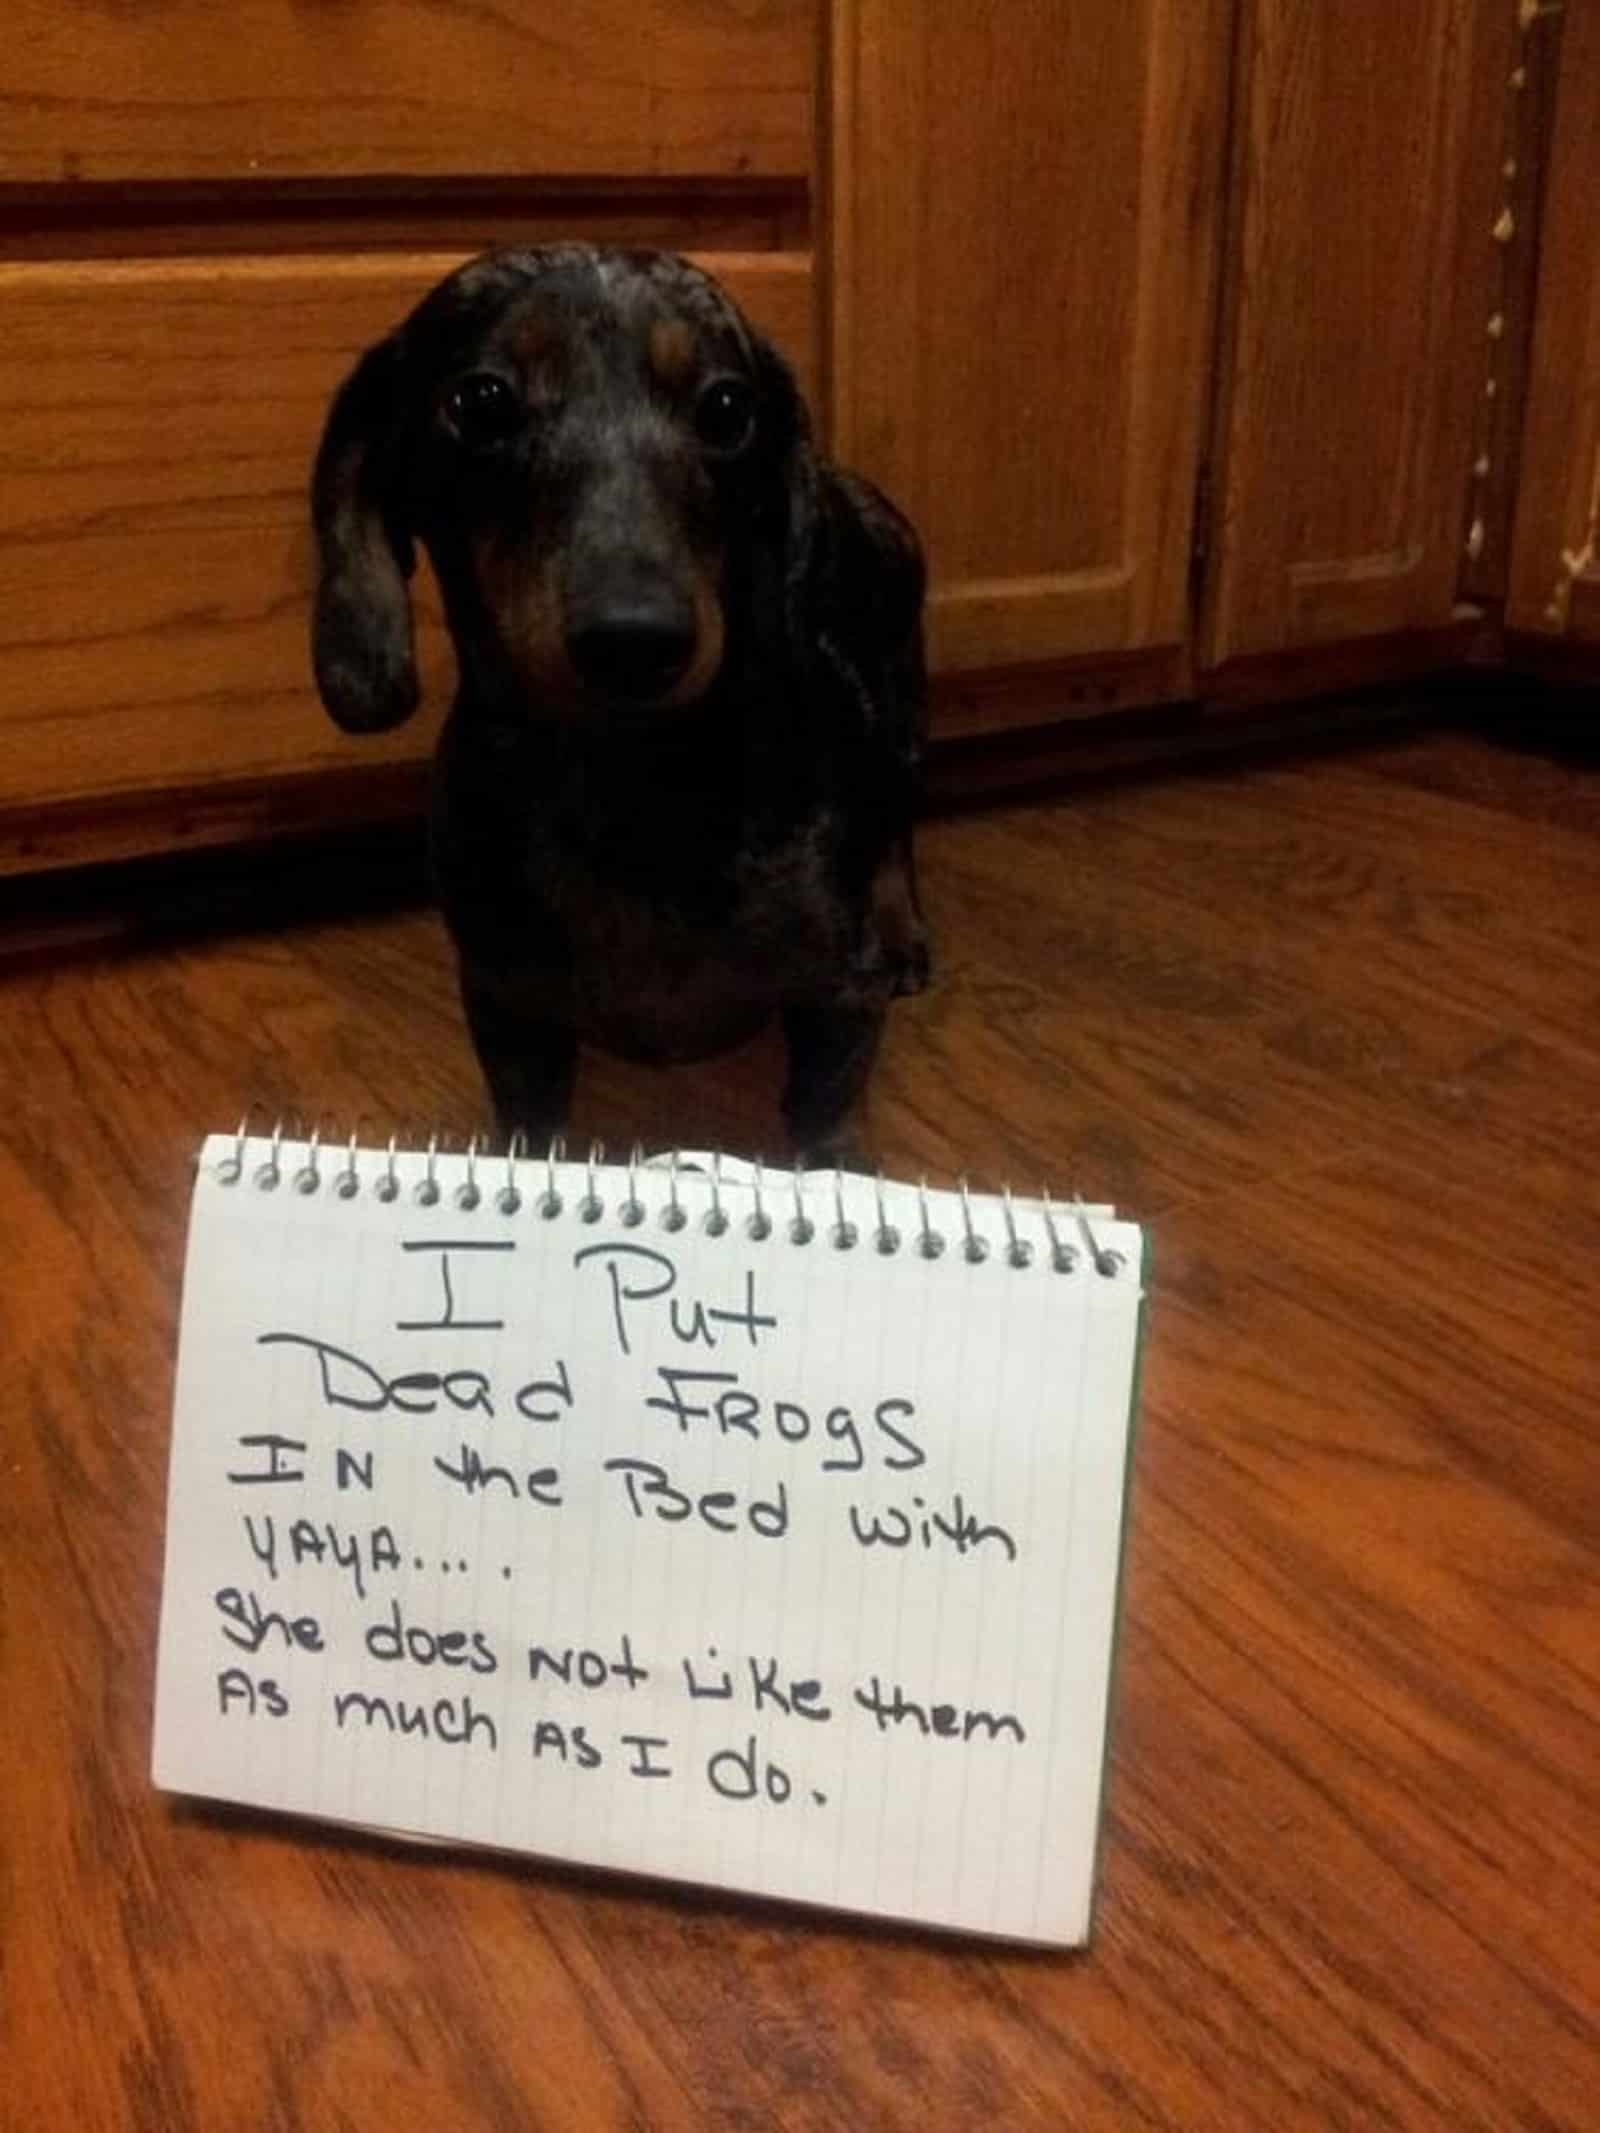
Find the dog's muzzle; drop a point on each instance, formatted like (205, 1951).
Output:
(638, 648)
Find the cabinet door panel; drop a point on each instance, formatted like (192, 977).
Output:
(188, 90)
(1022, 229)
(154, 564)
(1354, 357)
(1555, 559)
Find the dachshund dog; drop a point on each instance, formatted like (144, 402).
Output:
(674, 797)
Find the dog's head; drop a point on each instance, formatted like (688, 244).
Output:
(593, 446)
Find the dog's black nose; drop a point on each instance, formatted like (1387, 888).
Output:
(640, 650)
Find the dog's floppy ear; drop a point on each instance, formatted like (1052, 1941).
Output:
(792, 496)
(853, 572)
(853, 568)
(361, 641)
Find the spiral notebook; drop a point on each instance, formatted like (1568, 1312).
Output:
(753, 1529)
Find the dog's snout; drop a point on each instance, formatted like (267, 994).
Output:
(638, 647)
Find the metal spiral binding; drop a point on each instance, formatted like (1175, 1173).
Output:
(309, 1176)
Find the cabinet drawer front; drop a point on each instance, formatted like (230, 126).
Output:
(405, 88)
(157, 422)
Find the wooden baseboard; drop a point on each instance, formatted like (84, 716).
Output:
(1175, 738)
(976, 706)
(1571, 662)
(259, 862)
(95, 833)
(1472, 638)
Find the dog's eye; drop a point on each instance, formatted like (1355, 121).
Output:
(483, 409)
(725, 416)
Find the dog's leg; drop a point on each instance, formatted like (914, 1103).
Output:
(832, 1044)
(897, 917)
(528, 1062)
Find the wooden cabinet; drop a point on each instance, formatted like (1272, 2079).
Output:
(1022, 222)
(1191, 334)
(1555, 563)
(1362, 276)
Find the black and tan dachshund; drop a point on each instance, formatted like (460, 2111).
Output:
(674, 797)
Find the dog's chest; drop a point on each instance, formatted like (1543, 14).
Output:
(680, 966)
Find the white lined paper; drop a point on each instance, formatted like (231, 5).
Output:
(981, 1411)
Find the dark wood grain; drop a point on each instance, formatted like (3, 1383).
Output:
(420, 89)
(153, 219)
(1332, 1028)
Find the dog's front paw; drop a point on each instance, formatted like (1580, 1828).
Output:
(903, 949)
(910, 962)
(840, 1147)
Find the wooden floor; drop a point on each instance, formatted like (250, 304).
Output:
(1333, 1028)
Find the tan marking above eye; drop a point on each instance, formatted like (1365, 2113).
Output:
(537, 347)
(531, 338)
(672, 351)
